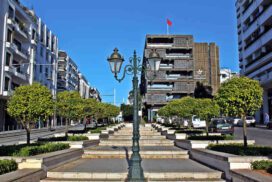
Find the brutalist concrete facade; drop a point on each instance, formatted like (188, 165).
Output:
(184, 63)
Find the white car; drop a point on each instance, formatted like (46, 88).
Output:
(250, 121)
(197, 123)
(236, 121)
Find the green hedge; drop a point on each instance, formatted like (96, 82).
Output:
(77, 138)
(193, 131)
(210, 137)
(262, 165)
(7, 166)
(238, 149)
(98, 130)
(31, 150)
(60, 139)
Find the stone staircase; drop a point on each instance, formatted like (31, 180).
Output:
(108, 161)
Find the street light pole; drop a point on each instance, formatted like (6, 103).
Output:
(135, 173)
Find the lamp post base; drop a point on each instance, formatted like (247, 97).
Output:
(135, 173)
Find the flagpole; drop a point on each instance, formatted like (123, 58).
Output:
(167, 29)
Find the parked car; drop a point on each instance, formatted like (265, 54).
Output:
(92, 125)
(220, 125)
(197, 123)
(250, 121)
(233, 120)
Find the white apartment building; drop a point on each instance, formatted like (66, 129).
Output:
(28, 53)
(226, 74)
(68, 74)
(254, 23)
(84, 88)
(95, 94)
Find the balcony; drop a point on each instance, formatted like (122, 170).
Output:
(17, 74)
(21, 30)
(22, 53)
(8, 93)
(254, 45)
(182, 87)
(160, 87)
(180, 56)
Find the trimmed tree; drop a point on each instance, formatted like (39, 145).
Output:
(207, 109)
(69, 106)
(29, 103)
(240, 97)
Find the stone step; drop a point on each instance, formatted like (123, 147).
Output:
(116, 180)
(178, 154)
(141, 134)
(126, 137)
(150, 176)
(143, 142)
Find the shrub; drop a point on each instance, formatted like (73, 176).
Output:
(238, 149)
(224, 137)
(30, 150)
(261, 165)
(97, 130)
(77, 138)
(7, 166)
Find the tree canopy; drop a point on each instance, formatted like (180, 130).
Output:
(240, 96)
(29, 103)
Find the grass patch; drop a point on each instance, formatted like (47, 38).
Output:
(262, 165)
(32, 149)
(238, 149)
(223, 137)
(7, 166)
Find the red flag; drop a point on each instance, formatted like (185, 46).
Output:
(169, 23)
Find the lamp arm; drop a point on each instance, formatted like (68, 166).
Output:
(127, 70)
(144, 70)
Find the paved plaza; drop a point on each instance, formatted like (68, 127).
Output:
(109, 161)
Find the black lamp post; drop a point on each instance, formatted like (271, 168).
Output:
(134, 68)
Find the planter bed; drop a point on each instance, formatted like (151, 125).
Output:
(7, 166)
(202, 144)
(211, 137)
(24, 150)
(63, 138)
(224, 161)
(238, 149)
(241, 175)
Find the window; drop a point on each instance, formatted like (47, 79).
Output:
(8, 57)
(9, 36)
(33, 34)
(41, 69)
(18, 44)
(46, 72)
(7, 80)
(11, 12)
(41, 51)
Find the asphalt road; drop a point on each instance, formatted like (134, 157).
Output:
(262, 136)
(17, 137)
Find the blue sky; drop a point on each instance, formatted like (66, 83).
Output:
(90, 29)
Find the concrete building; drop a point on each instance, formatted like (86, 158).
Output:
(95, 94)
(68, 74)
(28, 53)
(254, 23)
(184, 63)
(84, 88)
(226, 74)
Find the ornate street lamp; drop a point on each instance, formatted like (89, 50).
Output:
(135, 172)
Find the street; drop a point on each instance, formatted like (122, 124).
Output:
(16, 137)
(262, 136)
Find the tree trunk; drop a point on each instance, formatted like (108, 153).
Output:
(27, 134)
(207, 128)
(66, 127)
(244, 130)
